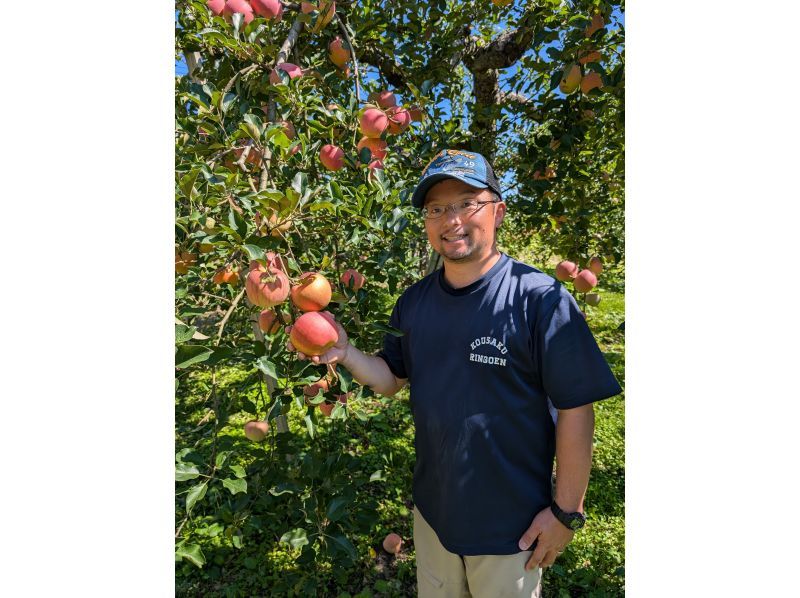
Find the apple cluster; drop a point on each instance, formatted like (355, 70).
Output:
(583, 280)
(379, 118)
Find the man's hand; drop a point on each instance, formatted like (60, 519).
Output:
(551, 535)
(335, 354)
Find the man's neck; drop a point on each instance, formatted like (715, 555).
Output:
(459, 275)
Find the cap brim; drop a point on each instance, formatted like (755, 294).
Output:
(418, 199)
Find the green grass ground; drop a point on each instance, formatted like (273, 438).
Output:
(592, 565)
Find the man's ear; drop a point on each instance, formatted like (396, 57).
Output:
(499, 214)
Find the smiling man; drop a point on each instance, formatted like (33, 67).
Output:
(489, 343)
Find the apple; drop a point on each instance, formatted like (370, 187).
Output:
(596, 266)
(266, 288)
(351, 276)
(240, 6)
(312, 292)
(373, 122)
(399, 119)
(377, 147)
(216, 6)
(268, 322)
(338, 52)
(256, 430)
(384, 99)
(269, 9)
(392, 543)
(585, 281)
(290, 69)
(314, 333)
(331, 156)
(570, 79)
(566, 271)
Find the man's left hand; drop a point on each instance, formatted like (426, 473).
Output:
(551, 535)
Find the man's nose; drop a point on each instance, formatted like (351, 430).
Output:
(451, 212)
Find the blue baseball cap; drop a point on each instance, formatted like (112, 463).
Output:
(468, 167)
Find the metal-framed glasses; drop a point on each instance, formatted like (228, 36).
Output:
(461, 208)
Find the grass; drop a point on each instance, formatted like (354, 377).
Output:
(592, 565)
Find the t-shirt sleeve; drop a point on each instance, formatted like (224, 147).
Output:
(392, 351)
(573, 370)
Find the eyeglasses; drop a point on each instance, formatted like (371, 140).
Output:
(462, 208)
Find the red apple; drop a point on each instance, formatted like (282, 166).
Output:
(312, 292)
(241, 6)
(269, 9)
(585, 281)
(384, 99)
(331, 156)
(353, 277)
(314, 333)
(596, 266)
(256, 430)
(377, 147)
(373, 122)
(566, 271)
(216, 6)
(290, 69)
(392, 543)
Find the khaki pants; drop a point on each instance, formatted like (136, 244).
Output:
(442, 574)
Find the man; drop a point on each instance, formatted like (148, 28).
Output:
(487, 342)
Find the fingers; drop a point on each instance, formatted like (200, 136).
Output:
(549, 559)
(537, 558)
(529, 537)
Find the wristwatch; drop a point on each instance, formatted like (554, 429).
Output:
(573, 521)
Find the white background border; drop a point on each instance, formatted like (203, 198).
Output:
(712, 295)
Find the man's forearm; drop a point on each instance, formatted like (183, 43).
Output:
(574, 434)
(372, 371)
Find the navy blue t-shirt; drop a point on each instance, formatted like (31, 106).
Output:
(481, 362)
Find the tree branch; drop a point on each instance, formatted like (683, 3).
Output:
(353, 54)
(506, 48)
(388, 67)
(283, 54)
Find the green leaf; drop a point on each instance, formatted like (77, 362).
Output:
(221, 457)
(237, 223)
(337, 508)
(237, 540)
(300, 182)
(322, 205)
(228, 99)
(186, 471)
(195, 493)
(386, 328)
(296, 538)
(555, 79)
(254, 252)
(275, 410)
(266, 366)
(364, 155)
(190, 552)
(309, 425)
(187, 183)
(345, 545)
(183, 333)
(219, 354)
(238, 471)
(235, 485)
(377, 476)
(345, 379)
(187, 355)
